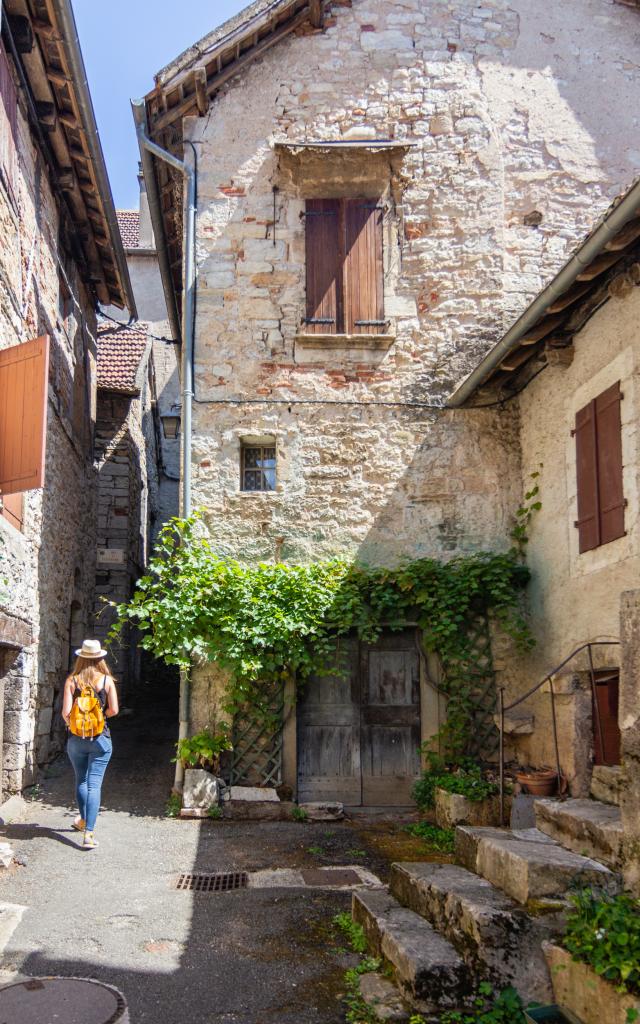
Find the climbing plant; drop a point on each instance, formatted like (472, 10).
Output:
(270, 622)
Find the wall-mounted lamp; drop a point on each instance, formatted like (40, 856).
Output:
(170, 427)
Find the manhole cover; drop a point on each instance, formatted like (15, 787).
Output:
(224, 881)
(63, 1000)
(320, 876)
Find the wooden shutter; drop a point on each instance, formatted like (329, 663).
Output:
(588, 522)
(12, 509)
(8, 120)
(364, 271)
(599, 470)
(609, 435)
(24, 371)
(323, 267)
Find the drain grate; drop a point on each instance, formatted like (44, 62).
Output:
(221, 881)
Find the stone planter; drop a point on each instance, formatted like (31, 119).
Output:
(453, 809)
(550, 1015)
(580, 991)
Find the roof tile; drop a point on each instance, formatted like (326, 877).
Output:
(120, 350)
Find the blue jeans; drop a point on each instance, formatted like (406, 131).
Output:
(89, 759)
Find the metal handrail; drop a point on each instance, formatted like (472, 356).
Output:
(503, 708)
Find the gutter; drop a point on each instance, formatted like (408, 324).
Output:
(592, 247)
(73, 53)
(155, 211)
(147, 148)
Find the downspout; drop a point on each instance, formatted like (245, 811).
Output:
(71, 44)
(614, 222)
(147, 148)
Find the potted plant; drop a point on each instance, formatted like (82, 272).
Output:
(203, 750)
(538, 781)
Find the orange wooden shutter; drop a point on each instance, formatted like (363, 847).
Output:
(323, 267)
(12, 509)
(364, 271)
(609, 434)
(588, 521)
(24, 374)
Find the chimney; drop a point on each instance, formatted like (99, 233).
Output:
(146, 231)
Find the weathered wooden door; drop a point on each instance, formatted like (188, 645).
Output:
(606, 731)
(328, 721)
(359, 732)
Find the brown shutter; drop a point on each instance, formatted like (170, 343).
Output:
(12, 509)
(24, 371)
(324, 267)
(364, 271)
(588, 522)
(609, 434)
(8, 120)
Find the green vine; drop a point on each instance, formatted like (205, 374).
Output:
(524, 514)
(272, 622)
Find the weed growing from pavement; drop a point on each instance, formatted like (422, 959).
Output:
(356, 853)
(352, 931)
(215, 813)
(173, 805)
(299, 814)
(440, 839)
(357, 1011)
(317, 851)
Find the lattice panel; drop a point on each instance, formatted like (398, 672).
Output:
(257, 743)
(484, 734)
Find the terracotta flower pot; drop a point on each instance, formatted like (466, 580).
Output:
(541, 782)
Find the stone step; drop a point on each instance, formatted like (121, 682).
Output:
(527, 864)
(589, 827)
(428, 970)
(606, 783)
(492, 933)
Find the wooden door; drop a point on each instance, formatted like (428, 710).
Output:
(359, 733)
(328, 724)
(390, 720)
(606, 731)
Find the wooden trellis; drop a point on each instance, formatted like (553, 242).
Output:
(480, 674)
(257, 742)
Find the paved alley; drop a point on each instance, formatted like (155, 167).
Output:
(253, 956)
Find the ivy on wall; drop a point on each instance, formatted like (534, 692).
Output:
(271, 622)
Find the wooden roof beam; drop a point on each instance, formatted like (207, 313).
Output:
(629, 233)
(316, 13)
(598, 266)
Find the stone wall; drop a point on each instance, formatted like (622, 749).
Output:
(127, 444)
(49, 566)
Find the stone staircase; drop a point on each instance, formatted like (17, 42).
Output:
(444, 927)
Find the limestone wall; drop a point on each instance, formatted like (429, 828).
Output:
(576, 597)
(515, 152)
(49, 566)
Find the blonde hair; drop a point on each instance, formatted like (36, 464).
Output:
(90, 670)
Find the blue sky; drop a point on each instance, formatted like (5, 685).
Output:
(124, 42)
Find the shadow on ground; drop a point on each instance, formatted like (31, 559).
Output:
(114, 914)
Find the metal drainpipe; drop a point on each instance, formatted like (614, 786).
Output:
(188, 326)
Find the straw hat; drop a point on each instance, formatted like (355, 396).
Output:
(91, 649)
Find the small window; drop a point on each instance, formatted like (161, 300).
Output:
(601, 503)
(344, 267)
(8, 122)
(258, 467)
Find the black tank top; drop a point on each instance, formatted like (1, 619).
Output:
(102, 697)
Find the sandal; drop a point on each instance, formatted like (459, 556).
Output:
(79, 825)
(89, 843)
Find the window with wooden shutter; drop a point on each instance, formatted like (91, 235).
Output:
(8, 122)
(24, 372)
(344, 267)
(601, 502)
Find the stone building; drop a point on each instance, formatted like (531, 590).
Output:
(381, 188)
(579, 430)
(60, 254)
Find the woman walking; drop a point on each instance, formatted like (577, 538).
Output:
(90, 699)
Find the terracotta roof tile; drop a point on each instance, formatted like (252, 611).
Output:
(129, 224)
(120, 350)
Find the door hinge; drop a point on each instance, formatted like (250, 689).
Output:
(318, 320)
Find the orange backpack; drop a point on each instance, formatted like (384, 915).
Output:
(87, 717)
